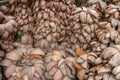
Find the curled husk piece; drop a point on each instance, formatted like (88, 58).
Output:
(86, 15)
(106, 33)
(51, 25)
(8, 29)
(24, 63)
(81, 34)
(2, 54)
(8, 25)
(83, 65)
(91, 67)
(24, 17)
(59, 68)
(112, 11)
(112, 54)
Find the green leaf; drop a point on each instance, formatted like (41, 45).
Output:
(19, 34)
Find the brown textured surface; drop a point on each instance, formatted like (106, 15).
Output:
(60, 40)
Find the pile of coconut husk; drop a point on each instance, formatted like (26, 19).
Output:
(60, 40)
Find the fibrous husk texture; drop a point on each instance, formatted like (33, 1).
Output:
(24, 64)
(104, 67)
(2, 54)
(51, 23)
(62, 25)
(111, 54)
(24, 17)
(60, 40)
(8, 28)
(58, 67)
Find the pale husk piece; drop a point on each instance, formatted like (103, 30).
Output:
(97, 46)
(86, 15)
(112, 11)
(85, 65)
(25, 63)
(111, 54)
(23, 15)
(58, 68)
(99, 5)
(2, 54)
(51, 19)
(107, 32)
(8, 29)
(82, 34)
(103, 32)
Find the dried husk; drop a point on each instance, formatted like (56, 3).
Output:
(51, 24)
(26, 63)
(86, 15)
(97, 46)
(111, 54)
(112, 11)
(83, 41)
(8, 29)
(59, 68)
(24, 17)
(8, 26)
(99, 5)
(103, 32)
(82, 34)
(107, 33)
(85, 65)
(2, 54)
